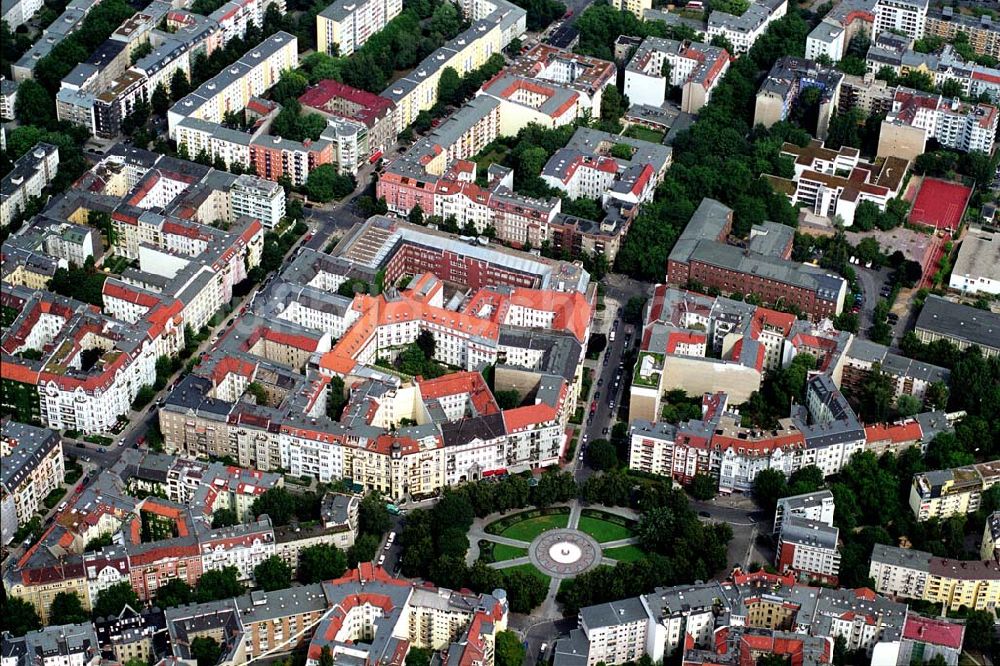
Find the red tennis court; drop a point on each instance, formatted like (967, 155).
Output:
(940, 204)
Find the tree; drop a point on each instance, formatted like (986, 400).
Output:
(290, 86)
(206, 650)
(114, 599)
(277, 503)
(416, 215)
(219, 584)
(66, 608)
(180, 87)
(33, 104)
(160, 100)
(273, 574)
(807, 479)
(364, 549)
(448, 86)
(321, 562)
(326, 656)
(601, 455)
(426, 342)
(613, 104)
(418, 657)
(875, 395)
(175, 592)
(509, 649)
(373, 518)
(259, 393)
(907, 405)
(769, 486)
(19, 616)
(633, 311)
(224, 518)
(979, 631)
(325, 184)
(703, 487)
(936, 395)
(507, 399)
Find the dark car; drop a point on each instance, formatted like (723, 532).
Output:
(704, 514)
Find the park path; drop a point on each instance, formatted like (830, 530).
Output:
(507, 564)
(574, 516)
(550, 608)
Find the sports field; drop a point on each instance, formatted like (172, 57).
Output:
(940, 204)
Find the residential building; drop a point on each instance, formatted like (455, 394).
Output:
(8, 98)
(376, 113)
(257, 198)
(925, 639)
(834, 33)
(742, 31)
(905, 16)
(33, 467)
(914, 574)
(787, 79)
(593, 166)
(982, 31)
(59, 645)
(494, 24)
(637, 7)
(702, 255)
(991, 538)
(833, 183)
(918, 116)
(817, 506)
(32, 172)
(977, 268)
(749, 615)
(130, 634)
(962, 325)
(808, 549)
(907, 376)
(58, 30)
(869, 95)
(18, 12)
(659, 64)
(344, 26)
(944, 493)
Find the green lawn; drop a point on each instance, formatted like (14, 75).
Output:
(603, 530)
(502, 552)
(644, 134)
(625, 553)
(527, 530)
(530, 568)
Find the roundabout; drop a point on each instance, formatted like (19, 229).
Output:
(564, 553)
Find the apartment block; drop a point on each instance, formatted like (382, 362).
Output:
(18, 12)
(808, 549)
(944, 493)
(376, 113)
(742, 31)
(905, 16)
(701, 255)
(914, 574)
(785, 82)
(833, 34)
(257, 198)
(991, 537)
(588, 167)
(908, 376)
(983, 31)
(749, 615)
(33, 467)
(32, 172)
(637, 7)
(833, 183)
(917, 116)
(8, 98)
(659, 64)
(344, 26)
(977, 268)
(962, 325)
(818, 506)
(59, 645)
